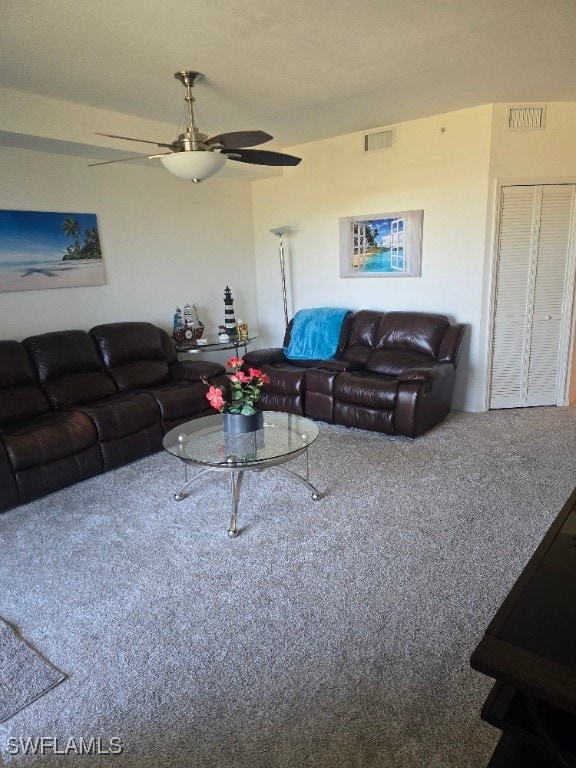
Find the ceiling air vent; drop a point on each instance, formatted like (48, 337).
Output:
(526, 118)
(374, 142)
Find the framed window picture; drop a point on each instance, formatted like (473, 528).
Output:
(381, 245)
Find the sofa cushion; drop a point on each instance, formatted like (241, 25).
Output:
(362, 336)
(182, 402)
(392, 362)
(134, 354)
(122, 414)
(371, 391)
(47, 438)
(21, 397)
(196, 370)
(69, 367)
(285, 379)
(411, 332)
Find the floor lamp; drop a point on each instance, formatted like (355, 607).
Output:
(279, 232)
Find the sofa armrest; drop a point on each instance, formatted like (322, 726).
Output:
(427, 374)
(195, 370)
(263, 356)
(339, 365)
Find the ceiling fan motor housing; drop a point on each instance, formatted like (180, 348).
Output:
(191, 142)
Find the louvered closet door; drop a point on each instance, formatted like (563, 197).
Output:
(531, 301)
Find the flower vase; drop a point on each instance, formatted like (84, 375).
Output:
(238, 422)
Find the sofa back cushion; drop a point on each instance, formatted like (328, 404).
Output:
(412, 332)
(136, 355)
(406, 340)
(21, 396)
(69, 367)
(362, 336)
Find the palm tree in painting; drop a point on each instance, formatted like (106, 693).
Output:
(71, 227)
(89, 248)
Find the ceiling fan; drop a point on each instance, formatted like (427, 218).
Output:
(196, 156)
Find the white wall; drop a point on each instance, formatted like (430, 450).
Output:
(441, 165)
(164, 241)
(524, 157)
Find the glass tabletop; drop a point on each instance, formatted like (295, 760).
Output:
(203, 441)
(211, 342)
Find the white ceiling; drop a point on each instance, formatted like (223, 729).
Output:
(301, 70)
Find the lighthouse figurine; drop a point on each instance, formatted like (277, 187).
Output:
(229, 318)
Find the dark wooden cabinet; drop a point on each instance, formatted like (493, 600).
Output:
(529, 648)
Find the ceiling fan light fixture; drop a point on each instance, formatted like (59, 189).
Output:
(195, 165)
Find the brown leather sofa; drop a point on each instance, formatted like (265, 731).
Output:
(74, 404)
(393, 372)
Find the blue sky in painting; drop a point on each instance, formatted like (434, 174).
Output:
(383, 228)
(33, 236)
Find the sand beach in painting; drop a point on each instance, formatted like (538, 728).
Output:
(61, 274)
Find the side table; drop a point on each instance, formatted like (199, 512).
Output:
(214, 345)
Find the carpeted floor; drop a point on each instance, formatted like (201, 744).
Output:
(24, 674)
(329, 634)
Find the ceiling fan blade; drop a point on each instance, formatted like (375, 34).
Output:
(261, 157)
(239, 139)
(127, 159)
(129, 138)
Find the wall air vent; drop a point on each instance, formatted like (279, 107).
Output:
(374, 142)
(526, 118)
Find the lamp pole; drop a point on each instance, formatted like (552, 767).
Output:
(279, 232)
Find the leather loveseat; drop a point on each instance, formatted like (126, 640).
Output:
(74, 404)
(393, 372)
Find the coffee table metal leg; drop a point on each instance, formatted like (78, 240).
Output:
(316, 495)
(183, 492)
(235, 483)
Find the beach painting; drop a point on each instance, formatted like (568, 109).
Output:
(40, 249)
(381, 245)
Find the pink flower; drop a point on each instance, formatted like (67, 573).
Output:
(215, 398)
(244, 389)
(239, 377)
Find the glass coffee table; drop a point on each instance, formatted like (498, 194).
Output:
(202, 443)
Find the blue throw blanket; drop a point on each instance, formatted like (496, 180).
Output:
(315, 333)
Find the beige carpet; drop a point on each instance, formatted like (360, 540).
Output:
(330, 634)
(24, 674)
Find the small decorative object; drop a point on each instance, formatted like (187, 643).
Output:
(190, 327)
(242, 330)
(238, 423)
(222, 335)
(178, 323)
(229, 319)
(199, 324)
(178, 332)
(245, 390)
